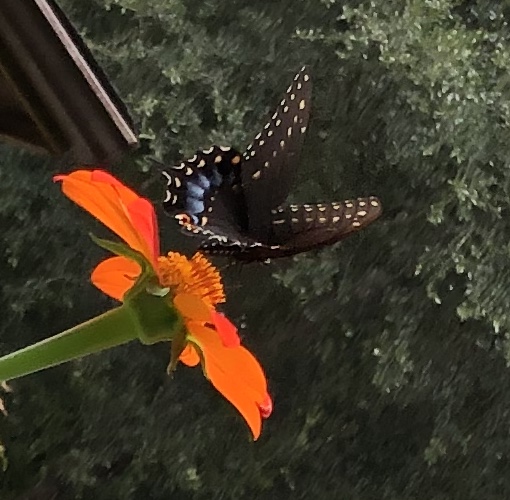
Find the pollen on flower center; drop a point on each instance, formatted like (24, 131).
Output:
(196, 276)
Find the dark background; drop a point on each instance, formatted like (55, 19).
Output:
(386, 355)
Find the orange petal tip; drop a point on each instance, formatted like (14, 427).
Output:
(266, 407)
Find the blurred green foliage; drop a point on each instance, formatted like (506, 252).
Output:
(387, 354)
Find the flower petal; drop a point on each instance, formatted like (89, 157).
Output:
(115, 276)
(192, 307)
(189, 356)
(226, 330)
(236, 374)
(119, 208)
(144, 220)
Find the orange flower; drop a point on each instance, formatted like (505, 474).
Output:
(195, 285)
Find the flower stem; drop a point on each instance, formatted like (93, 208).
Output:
(110, 329)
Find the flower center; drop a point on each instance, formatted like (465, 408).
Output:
(196, 276)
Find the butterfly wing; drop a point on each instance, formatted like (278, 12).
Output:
(205, 186)
(299, 228)
(270, 161)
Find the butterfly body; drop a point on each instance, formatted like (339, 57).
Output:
(235, 204)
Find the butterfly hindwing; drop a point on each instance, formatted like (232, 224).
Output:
(192, 184)
(220, 241)
(270, 161)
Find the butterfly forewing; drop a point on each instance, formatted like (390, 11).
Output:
(192, 184)
(298, 228)
(270, 161)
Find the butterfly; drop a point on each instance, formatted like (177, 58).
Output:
(236, 202)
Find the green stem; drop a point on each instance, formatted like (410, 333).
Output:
(112, 328)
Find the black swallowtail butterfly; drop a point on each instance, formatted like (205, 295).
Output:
(236, 203)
